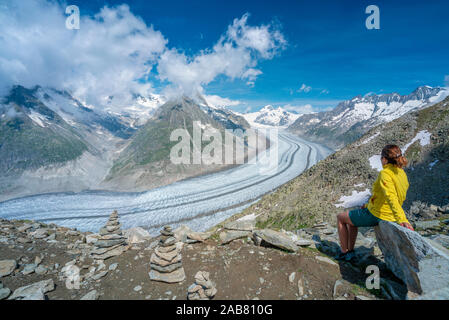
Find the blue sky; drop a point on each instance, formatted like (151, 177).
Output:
(329, 49)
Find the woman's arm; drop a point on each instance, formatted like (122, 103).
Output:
(389, 191)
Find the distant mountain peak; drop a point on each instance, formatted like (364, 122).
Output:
(271, 116)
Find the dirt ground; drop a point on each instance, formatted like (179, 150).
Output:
(240, 270)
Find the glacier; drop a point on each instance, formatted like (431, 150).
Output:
(199, 202)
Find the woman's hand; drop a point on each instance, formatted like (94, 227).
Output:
(407, 225)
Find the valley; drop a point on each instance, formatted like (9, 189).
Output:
(199, 202)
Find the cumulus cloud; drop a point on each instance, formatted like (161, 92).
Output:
(111, 58)
(235, 55)
(218, 101)
(305, 88)
(106, 57)
(8, 111)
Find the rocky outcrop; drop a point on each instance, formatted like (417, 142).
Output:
(111, 241)
(422, 264)
(203, 288)
(165, 262)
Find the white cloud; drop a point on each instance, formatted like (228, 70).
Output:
(105, 57)
(217, 101)
(235, 55)
(307, 108)
(114, 50)
(324, 91)
(305, 88)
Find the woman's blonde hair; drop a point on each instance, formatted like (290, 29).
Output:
(393, 154)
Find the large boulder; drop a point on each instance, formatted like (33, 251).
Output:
(231, 235)
(274, 238)
(35, 291)
(422, 264)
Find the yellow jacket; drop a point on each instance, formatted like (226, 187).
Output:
(389, 191)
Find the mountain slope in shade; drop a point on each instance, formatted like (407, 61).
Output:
(50, 142)
(32, 135)
(145, 162)
(270, 116)
(353, 118)
(344, 179)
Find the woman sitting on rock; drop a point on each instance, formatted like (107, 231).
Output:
(389, 191)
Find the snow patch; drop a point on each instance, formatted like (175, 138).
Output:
(375, 162)
(423, 137)
(354, 200)
(370, 138)
(37, 118)
(432, 164)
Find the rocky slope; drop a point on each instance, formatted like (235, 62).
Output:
(344, 179)
(353, 118)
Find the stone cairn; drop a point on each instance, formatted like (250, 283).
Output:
(202, 288)
(111, 241)
(165, 262)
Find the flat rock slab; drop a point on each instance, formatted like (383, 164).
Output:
(91, 295)
(7, 267)
(33, 291)
(326, 260)
(427, 224)
(231, 235)
(4, 293)
(303, 242)
(172, 277)
(441, 239)
(241, 225)
(276, 239)
(422, 264)
(108, 254)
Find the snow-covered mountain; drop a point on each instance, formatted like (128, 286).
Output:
(271, 116)
(352, 118)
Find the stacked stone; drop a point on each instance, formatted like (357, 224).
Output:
(111, 241)
(203, 288)
(165, 262)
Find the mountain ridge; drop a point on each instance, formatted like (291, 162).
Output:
(352, 118)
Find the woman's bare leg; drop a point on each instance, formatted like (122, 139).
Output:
(342, 221)
(352, 231)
